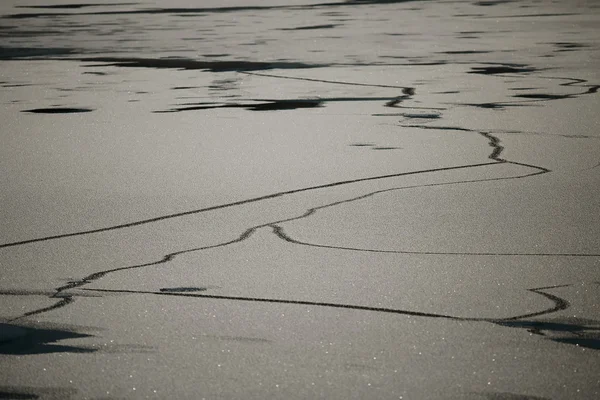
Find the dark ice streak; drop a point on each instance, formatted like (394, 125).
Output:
(58, 110)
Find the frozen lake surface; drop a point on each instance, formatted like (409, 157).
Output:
(300, 199)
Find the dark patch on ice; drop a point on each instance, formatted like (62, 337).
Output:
(150, 11)
(30, 392)
(183, 289)
(464, 52)
(16, 395)
(58, 110)
(334, 14)
(504, 69)
(95, 73)
(593, 89)
(361, 144)
(181, 11)
(441, 128)
(374, 147)
(593, 343)
(543, 96)
(271, 105)
(78, 5)
(407, 93)
(17, 53)
(491, 2)
(421, 116)
(311, 27)
(569, 46)
(189, 64)
(564, 324)
(375, 1)
(575, 331)
(42, 341)
(224, 84)
(495, 106)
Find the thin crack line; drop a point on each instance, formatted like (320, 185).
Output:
(298, 302)
(59, 304)
(542, 169)
(591, 89)
(237, 203)
(493, 141)
(406, 107)
(516, 322)
(323, 80)
(593, 167)
(67, 299)
(457, 128)
(279, 232)
(560, 304)
(246, 234)
(313, 210)
(167, 258)
(572, 81)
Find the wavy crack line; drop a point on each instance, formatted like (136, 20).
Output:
(517, 322)
(246, 234)
(537, 97)
(560, 304)
(298, 302)
(313, 210)
(68, 299)
(493, 141)
(278, 231)
(238, 203)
